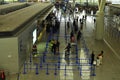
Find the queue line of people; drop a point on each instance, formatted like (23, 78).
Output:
(53, 46)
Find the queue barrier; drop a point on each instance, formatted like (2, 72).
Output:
(83, 65)
(82, 68)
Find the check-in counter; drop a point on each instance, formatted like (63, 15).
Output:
(15, 20)
(16, 30)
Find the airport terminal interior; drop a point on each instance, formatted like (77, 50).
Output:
(60, 40)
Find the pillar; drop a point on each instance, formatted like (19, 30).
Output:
(73, 5)
(99, 29)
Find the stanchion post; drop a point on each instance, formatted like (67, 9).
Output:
(94, 70)
(30, 57)
(37, 72)
(80, 70)
(41, 63)
(76, 55)
(59, 62)
(78, 65)
(65, 70)
(76, 59)
(90, 60)
(43, 58)
(24, 68)
(55, 69)
(47, 72)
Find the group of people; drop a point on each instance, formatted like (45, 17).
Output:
(75, 28)
(98, 60)
(54, 46)
(72, 36)
(53, 24)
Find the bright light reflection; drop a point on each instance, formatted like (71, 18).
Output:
(89, 20)
(69, 71)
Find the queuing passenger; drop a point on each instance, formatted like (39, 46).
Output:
(57, 46)
(94, 20)
(54, 47)
(81, 27)
(68, 26)
(67, 49)
(76, 28)
(85, 16)
(71, 34)
(48, 28)
(79, 35)
(92, 57)
(73, 39)
(50, 46)
(74, 22)
(80, 20)
(57, 25)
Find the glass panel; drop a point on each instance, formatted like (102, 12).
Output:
(115, 1)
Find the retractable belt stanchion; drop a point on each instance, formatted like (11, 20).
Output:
(41, 63)
(76, 55)
(47, 71)
(24, 72)
(59, 62)
(93, 71)
(80, 70)
(65, 70)
(37, 69)
(30, 57)
(55, 69)
(76, 59)
(44, 57)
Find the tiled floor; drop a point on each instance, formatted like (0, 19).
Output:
(70, 70)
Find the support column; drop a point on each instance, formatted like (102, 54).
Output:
(73, 4)
(99, 29)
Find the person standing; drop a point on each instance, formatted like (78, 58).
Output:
(100, 56)
(68, 26)
(67, 49)
(79, 35)
(94, 20)
(92, 57)
(97, 61)
(54, 47)
(71, 35)
(57, 46)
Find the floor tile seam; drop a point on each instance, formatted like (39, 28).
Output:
(66, 73)
(112, 49)
(115, 46)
